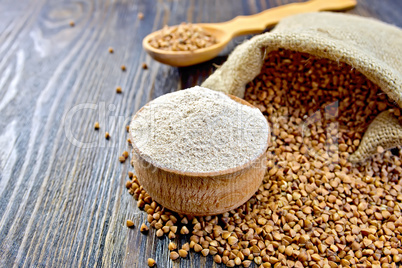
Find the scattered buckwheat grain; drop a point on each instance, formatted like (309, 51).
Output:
(122, 159)
(130, 223)
(151, 262)
(144, 228)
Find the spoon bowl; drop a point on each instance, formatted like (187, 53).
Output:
(188, 58)
(241, 25)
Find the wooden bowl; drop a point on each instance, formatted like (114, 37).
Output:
(200, 193)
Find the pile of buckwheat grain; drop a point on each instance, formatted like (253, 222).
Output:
(185, 37)
(314, 208)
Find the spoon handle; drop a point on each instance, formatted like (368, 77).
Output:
(257, 23)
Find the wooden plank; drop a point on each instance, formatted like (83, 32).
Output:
(62, 195)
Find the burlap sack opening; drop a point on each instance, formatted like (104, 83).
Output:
(372, 47)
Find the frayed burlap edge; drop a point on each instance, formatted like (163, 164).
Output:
(370, 46)
(384, 131)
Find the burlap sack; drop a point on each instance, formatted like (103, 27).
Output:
(372, 47)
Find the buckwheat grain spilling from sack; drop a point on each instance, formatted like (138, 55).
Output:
(314, 208)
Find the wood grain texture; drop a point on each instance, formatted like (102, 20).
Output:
(62, 196)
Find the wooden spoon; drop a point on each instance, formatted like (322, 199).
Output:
(240, 25)
(200, 193)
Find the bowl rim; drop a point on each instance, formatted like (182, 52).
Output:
(246, 165)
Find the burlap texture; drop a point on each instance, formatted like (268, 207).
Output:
(384, 131)
(370, 46)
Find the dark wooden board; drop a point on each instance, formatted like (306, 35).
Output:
(62, 197)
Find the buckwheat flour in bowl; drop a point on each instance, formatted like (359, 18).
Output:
(199, 130)
(199, 151)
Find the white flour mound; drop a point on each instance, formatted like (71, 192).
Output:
(199, 130)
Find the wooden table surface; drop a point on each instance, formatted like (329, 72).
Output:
(63, 202)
